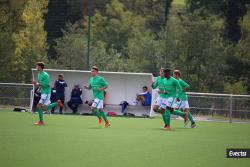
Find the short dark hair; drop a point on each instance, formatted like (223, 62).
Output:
(145, 87)
(40, 64)
(60, 75)
(167, 70)
(95, 68)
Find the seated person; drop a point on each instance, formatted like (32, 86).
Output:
(144, 97)
(75, 99)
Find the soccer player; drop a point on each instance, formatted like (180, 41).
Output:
(172, 89)
(44, 87)
(160, 104)
(98, 84)
(183, 103)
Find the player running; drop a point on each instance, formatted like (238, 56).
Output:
(183, 103)
(172, 89)
(43, 84)
(160, 102)
(98, 84)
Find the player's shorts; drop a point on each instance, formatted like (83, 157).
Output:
(45, 99)
(161, 102)
(97, 103)
(182, 104)
(170, 102)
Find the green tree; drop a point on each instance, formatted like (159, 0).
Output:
(71, 48)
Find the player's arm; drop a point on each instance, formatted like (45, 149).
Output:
(43, 82)
(178, 90)
(88, 87)
(104, 85)
(184, 85)
(154, 84)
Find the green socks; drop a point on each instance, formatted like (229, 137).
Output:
(97, 113)
(40, 113)
(167, 117)
(179, 113)
(50, 106)
(104, 116)
(190, 117)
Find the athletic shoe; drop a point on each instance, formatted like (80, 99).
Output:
(166, 127)
(100, 121)
(193, 125)
(107, 124)
(59, 102)
(39, 123)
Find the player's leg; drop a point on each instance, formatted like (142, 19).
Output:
(103, 113)
(167, 117)
(45, 100)
(40, 114)
(95, 110)
(189, 115)
(157, 105)
(177, 105)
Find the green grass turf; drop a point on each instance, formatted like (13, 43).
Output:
(73, 141)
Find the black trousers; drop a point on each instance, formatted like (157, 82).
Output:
(73, 106)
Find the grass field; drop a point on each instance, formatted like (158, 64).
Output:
(73, 141)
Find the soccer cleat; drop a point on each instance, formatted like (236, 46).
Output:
(193, 125)
(107, 124)
(166, 127)
(39, 123)
(59, 102)
(100, 121)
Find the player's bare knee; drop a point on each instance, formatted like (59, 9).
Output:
(39, 105)
(155, 108)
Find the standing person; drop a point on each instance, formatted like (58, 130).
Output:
(172, 89)
(98, 84)
(183, 103)
(160, 102)
(60, 85)
(44, 85)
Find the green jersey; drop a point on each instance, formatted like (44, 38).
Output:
(44, 82)
(160, 84)
(95, 83)
(172, 87)
(183, 94)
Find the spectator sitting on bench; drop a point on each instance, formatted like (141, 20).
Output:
(144, 97)
(75, 99)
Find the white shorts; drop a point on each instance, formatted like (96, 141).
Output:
(182, 104)
(170, 102)
(97, 103)
(161, 102)
(45, 99)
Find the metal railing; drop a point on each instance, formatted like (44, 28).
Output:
(227, 107)
(208, 106)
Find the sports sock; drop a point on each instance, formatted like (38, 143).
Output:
(50, 106)
(40, 113)
(104, 116)
(97, 113)
(190, 117)
(179, 113)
